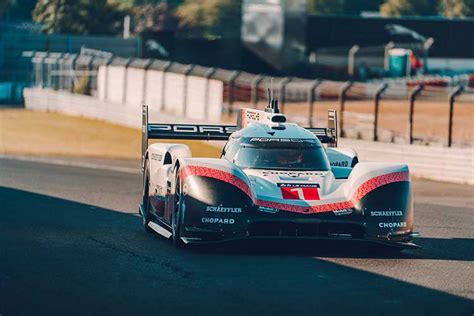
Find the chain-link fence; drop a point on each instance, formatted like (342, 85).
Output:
(16, 38)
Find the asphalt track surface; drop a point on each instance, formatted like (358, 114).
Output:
(72, 244)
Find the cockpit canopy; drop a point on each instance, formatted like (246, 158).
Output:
(277, 153)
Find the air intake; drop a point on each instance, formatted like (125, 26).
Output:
(278, 119)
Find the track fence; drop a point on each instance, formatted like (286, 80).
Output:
(425, 110)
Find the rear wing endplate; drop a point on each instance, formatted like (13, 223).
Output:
(217, 132)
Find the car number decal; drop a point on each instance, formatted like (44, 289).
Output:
(296, 191)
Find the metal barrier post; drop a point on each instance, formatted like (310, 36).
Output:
(44, 73)
(61, 72)
(231, 81)
(89, 70)
(413, 94)
(66, 80)
(72, 73)
(186, 73)
(342, 102)
(351, 60)
(452, 96)
(209, 73)
(145, 79)
(125, 79)
(49, 76)
(283, 84)
(64, 70)
(57, 71)
(37, 68)
(311, 97)
(254, 89)
(163, 84)
(380, 90)
(106, 78)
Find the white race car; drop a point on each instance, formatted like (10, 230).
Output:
(274, 180)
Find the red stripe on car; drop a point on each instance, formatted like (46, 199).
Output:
(191, 170)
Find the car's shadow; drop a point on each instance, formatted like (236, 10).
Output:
(461, 249)
(64, 257)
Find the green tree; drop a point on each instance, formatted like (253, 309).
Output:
(357, 6)
(4, 5)
(94, 17)
(207, 18)
(158, 17)
(409, 7)
(457, 8)
(17, 10)
(343, 6)
(326, 6)
(144, 2)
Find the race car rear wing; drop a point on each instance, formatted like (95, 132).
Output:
(218, 132)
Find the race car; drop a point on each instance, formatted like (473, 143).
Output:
(274, 179)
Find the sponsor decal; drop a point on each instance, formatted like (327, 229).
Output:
(183, 128)
(298, 191)
(339, 164)
(157, 157)
(270, 210)
(221, 209)
(293, 174)
(345, 211)
(217, 220)
(278, 140)
(252, 115)
(393, 225)
(386, 213)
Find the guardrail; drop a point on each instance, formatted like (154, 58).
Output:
(423, 110)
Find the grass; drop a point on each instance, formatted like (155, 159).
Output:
(25, 132)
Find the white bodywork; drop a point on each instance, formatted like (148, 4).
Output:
(162, 157)
(274, 179)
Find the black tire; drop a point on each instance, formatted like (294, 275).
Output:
(146, 200)
(176, 216)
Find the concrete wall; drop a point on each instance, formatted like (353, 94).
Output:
(135, 86)
(91, 107)
(436, 163)
(173, 93)
(154, 91)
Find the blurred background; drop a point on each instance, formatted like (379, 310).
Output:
(307, 38)
(398, 71)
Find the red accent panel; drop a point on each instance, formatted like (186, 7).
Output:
(362, 191)
(297, 193)
(290, 193)
(191, 170)
(376, 182)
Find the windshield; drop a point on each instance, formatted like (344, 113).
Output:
(303, 158)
